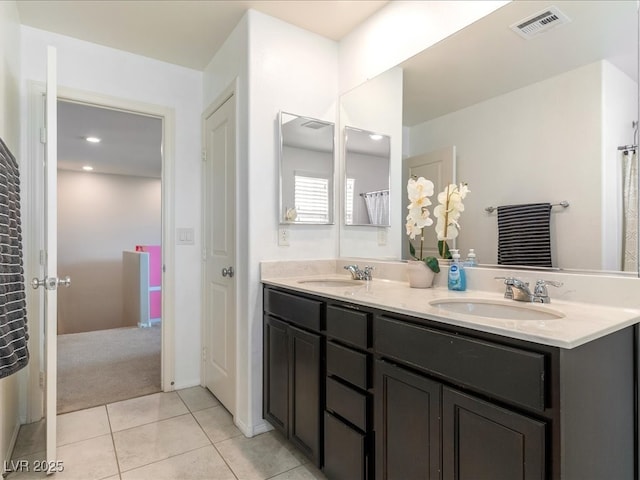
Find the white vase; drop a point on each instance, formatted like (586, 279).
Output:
(420, 275)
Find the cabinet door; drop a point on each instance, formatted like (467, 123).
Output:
(407, 424)
(276, 374)
(483, 441)
(304, 401)
(345, 456)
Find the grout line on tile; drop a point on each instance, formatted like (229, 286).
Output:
(225, 461)
(152, 422)
(113, 442)
(167, 458)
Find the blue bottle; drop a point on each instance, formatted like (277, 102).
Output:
(457, 275)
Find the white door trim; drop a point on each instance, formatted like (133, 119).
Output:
(33, 234)
(226, 94)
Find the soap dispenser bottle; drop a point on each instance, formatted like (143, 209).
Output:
(472, 260)
(457, 276)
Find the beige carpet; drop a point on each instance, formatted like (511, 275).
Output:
(95, 368)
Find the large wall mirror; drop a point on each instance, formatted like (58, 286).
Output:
(536, 119)
(306, 170)
(367, 161)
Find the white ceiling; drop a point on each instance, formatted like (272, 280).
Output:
(481, 61)
(183, 32)
(130, 143)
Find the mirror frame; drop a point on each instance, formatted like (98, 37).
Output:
(331, 194)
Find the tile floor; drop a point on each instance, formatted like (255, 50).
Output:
(183, 435)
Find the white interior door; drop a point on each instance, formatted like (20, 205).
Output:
(49, 283)
(219, 251)
(438, 166)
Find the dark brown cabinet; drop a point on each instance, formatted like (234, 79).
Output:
(348, 417)
(293, 370)
(491, 407)
(276, 374)
(481, 440)
(407, 418)
(367, 393)
(420, 422)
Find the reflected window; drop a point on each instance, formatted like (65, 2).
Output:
(348, 208)
(311, 198)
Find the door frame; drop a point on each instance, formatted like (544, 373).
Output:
(32, 392)
(230, 91)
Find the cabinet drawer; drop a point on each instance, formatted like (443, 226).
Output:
(349, 325)
(344, 451)
(508, 373)
(298, 310)
(347, 403)
(347, 364)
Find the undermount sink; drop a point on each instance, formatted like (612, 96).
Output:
(508, 310)
(331, 282)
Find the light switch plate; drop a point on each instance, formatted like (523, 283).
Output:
(184, 236)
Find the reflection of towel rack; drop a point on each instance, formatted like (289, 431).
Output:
(377, 192)
(631, 148)
(563, 204)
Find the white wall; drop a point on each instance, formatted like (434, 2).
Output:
(294, 71)
(99, 216)
(10, 133)
(400, 30)
(106, 71)
(384, 115)
(488, 136)
(290, 70)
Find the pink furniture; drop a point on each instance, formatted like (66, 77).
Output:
(155, 280)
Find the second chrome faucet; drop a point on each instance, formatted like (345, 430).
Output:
(357, 274)
(518, 290)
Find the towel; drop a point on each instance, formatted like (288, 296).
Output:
(14, 354)
(524, 235)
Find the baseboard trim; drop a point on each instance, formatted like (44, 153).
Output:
(183, 385)
(252, 431)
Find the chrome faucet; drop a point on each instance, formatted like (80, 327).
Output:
(357, 274)
(540, 293)
(518, 290)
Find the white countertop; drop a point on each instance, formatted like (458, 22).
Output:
(582, 322)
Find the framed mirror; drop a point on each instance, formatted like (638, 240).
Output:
(536, 119)
(366, 183)
(306, 170)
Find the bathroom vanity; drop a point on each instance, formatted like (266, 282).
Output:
(370, 386)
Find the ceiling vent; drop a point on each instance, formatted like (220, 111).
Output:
(540, 22)
(316, 125)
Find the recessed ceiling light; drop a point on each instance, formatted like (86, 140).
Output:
(375, 136)
(87, 168)
(93, 139)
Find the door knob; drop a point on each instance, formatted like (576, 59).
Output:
(51, 283)
(227, 272)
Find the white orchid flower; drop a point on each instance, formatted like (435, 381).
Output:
(412, 229)
(449, 211)
(419, 188)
